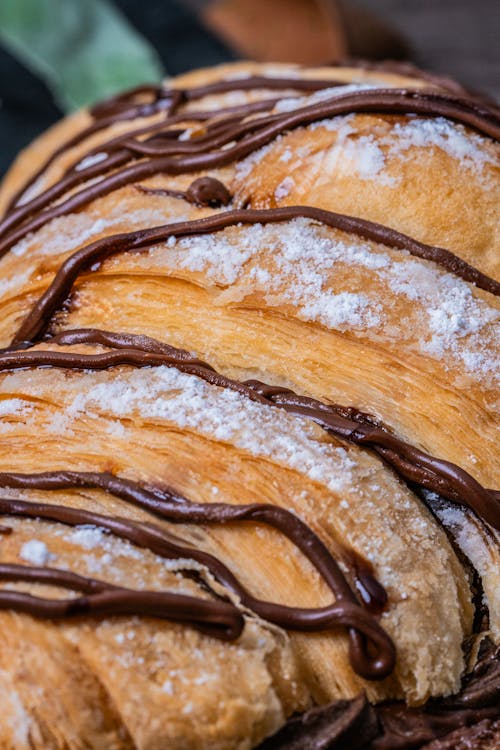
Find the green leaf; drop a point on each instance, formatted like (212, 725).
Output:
(85, 50)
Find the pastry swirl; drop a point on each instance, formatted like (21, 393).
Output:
(240, 414)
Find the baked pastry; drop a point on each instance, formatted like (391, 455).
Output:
(248, 426)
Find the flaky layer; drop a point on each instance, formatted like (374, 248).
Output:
(331, 313)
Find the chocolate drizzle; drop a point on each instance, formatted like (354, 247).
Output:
(205, 191)
(217, 618)
(38, 319)
(414, 465)
(371, 650)
(225, 146)
(159, 147)
(124, 107)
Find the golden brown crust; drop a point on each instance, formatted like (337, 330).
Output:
(298, 304)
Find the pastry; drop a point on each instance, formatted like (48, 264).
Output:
(247, 417)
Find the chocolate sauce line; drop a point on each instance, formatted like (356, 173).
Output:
(390, 101)
(217, 618)
(409, 70)
(411, 463)
(98, 125)
(169, 505)
(120, 151)
(225, 115)
(127, 99)
(189, 156)
(371, 651)
(205, 191)
(214, 119)
(121, 108)
(224, 86)
(260, 82)
(128, 149)
(166, 503)
(38, 319)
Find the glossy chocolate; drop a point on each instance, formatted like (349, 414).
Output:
(413, 464)
(471, 715)
(229, 135)
(37, 321)
(225, 145)
(371, 650)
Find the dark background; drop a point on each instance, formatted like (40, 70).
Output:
(458, 37)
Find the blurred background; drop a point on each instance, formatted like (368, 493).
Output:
(56, 55)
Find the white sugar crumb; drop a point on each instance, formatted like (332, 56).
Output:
(365, 158)
(87, 537)
(58, 425)
(14, 713)
(203, 679)
(168, 687)
(116, 429)
(284, 188)
(96, 539)
(14, 282)
(35, 552)
(286, 155)
(14, 407)
(90, 161)
(220, 414)
(337, 310)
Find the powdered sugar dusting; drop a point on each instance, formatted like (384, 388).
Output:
(368, 154)
(14, 282)
(455, 319)
(66, 233)
(301, 259)
(284, 188)
(220, 414)
(14, 407)
(15, 715)
(469, 534)
(299, 265)
(438, 132)
(336, 310)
